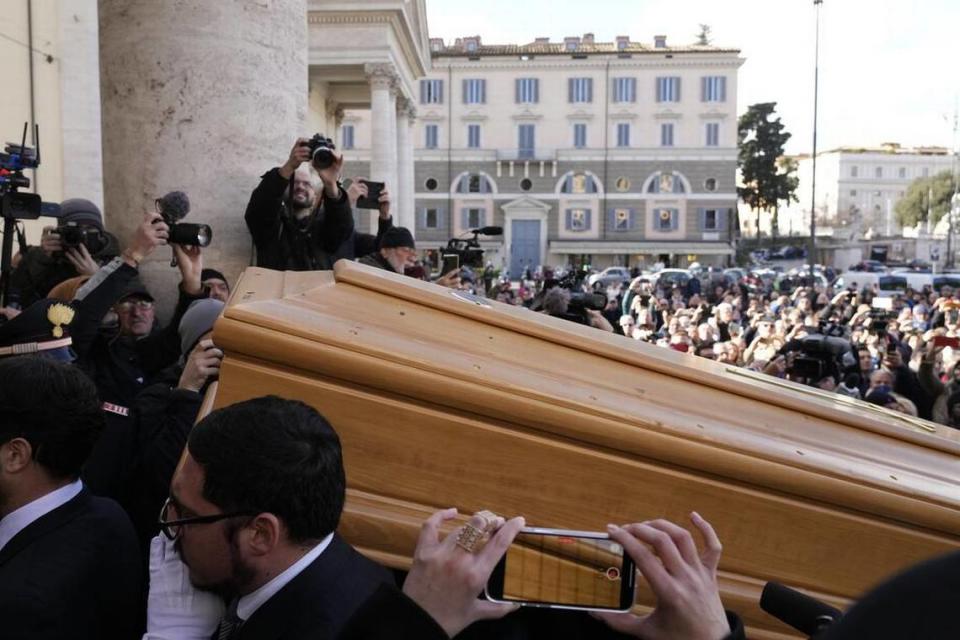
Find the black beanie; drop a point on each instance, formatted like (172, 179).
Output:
(208, 273)
(397, 237)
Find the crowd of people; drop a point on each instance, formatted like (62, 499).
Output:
(98, 435)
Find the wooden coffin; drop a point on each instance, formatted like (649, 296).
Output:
(442, 400)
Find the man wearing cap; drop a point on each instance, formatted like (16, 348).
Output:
(165, 411)
(399, 251)
(216, 284)
(42, 268)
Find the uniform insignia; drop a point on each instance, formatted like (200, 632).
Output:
(59, 315)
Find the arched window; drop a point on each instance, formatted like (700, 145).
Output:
(579, 183)
(666, 182)
(474, 183)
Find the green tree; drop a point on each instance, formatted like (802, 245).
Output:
(761, 138)
(925, 195)
(787, 186)
(703, 38)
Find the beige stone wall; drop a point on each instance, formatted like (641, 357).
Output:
(202, 97)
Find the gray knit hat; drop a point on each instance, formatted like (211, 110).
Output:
(199, 319)
(81, 211)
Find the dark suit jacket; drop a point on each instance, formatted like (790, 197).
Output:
(919, 603)
(73, 573)
(316, 604)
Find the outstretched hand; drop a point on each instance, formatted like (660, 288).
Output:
(445, 579)
(683, 581)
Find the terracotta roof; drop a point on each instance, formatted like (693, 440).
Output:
(559, 48)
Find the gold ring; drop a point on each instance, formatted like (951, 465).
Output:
(468, 537)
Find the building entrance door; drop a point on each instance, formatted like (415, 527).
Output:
(524, 246)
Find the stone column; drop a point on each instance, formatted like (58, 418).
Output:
(383, 124)
(405, 167)
(80, 101)
(201, 97)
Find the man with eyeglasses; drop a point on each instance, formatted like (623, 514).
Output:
(253, 509)
(69, 561)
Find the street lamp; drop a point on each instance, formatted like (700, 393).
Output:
(813, 181)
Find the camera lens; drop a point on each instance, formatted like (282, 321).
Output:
(322, 158)
(199, 235)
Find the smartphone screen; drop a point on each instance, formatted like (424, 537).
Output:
(372, 199)
(564, 569)
(451, 262)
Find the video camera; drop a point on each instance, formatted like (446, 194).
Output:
(580, 300)
(72, 236)
(16, 158)
(818, 356)
(175, 206)
(469, 250)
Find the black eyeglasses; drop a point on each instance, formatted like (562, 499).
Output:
(173, 528)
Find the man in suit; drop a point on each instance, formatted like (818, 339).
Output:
(254, 504)
(69, 561)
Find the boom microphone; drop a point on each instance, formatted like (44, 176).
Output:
(488, 231)
(798, 610)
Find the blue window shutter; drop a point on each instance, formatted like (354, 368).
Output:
(423, 91)
(483, 92)
(570, 90)
(586, 220)
(722, 216)
(658, 89)
(591, 184)
(611, 219)
(484, 184)
(703, 88)
(674, 219)
(466, 86)
(633, 219)
(569, 220)
(516, 90)
(589, 89)
(465, 218)
(677, 97)
(439, 91)
(536, 90)
(567, 186)
(702, 218)
(464, 183)
(723, 88)
(483, 217)
(422, 218)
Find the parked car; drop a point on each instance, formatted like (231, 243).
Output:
(609, 276)
(671, 277)
(869, 266)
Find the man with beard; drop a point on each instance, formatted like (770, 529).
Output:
(253, 507)
(398, 251)
(69, 561)
(299, 216)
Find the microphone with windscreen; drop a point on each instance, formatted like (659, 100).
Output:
(798, 610)
(175, 206)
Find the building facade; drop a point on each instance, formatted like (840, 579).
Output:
(616, 153)
(860, 186)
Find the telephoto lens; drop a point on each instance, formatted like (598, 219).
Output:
(188, 233)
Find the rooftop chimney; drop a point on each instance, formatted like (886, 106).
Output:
(542, 41)
(623, 42)
(660, 42)
(587, 38)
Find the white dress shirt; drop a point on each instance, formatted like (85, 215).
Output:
(16, 521)
(249, 603)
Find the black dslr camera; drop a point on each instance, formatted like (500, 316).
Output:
(321, 151)
(73, 235)
(468, 250)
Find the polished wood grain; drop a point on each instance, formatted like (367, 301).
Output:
(443, 402)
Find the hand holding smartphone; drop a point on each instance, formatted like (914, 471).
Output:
(564, 569)
(451, 262)
(372, 199)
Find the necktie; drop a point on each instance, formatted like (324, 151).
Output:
(230, 623)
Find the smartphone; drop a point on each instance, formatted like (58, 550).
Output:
(371, 200)
(564, 569)
(891, 347)
(946, 341)
(451, 262)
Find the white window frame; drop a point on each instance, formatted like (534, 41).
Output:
(475, 91)
(582, 90)
(431, 131)
(436, 218)
(581, 127)
(621, 219)
(347, 137)
(713, 134)
(668, 89)
(529, 90)
(474, 223)
(431, 91)
(625, 89)
(715, 89)
(666, 134)
(473, 136)
(716, 220)
(578, 219)
(623, 135)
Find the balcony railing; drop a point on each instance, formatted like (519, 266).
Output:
(526, 153)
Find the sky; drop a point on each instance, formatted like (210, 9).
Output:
(888, 72)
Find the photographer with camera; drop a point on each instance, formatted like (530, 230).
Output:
(398, 251)
(77, 246)
(556, 302)
(299, 216)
